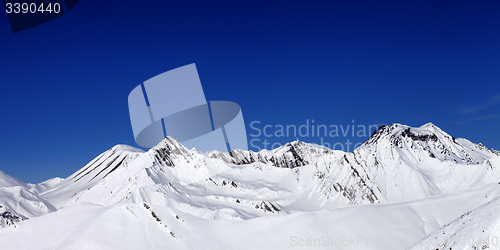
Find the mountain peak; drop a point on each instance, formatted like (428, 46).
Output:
(429, 124)
(171, 145)
(396, 130)
(126, 148)
(430, 140)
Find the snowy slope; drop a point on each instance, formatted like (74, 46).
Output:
(475, 229)
(18, 202)
(8, 181)
(144, 226)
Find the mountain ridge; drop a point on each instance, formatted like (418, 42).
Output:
(376, 172)
(419, 175)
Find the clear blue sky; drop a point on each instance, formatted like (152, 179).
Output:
(65, 83)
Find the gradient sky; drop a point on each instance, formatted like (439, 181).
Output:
(65, 83)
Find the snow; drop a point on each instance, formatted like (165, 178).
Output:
(132, 226)
(476, 229)
(402, 185)
(8, 181)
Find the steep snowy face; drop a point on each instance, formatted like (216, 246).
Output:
(430, 141)
(414, 163)
(105, 164)
(69, 190)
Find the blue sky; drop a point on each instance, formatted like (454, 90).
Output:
(65, 83)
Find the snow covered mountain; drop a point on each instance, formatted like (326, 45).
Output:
(399, 169)
(414, 163)
(19, 201)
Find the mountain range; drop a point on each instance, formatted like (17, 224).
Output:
(404, 187)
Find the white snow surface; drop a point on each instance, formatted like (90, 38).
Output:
(402, 185)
